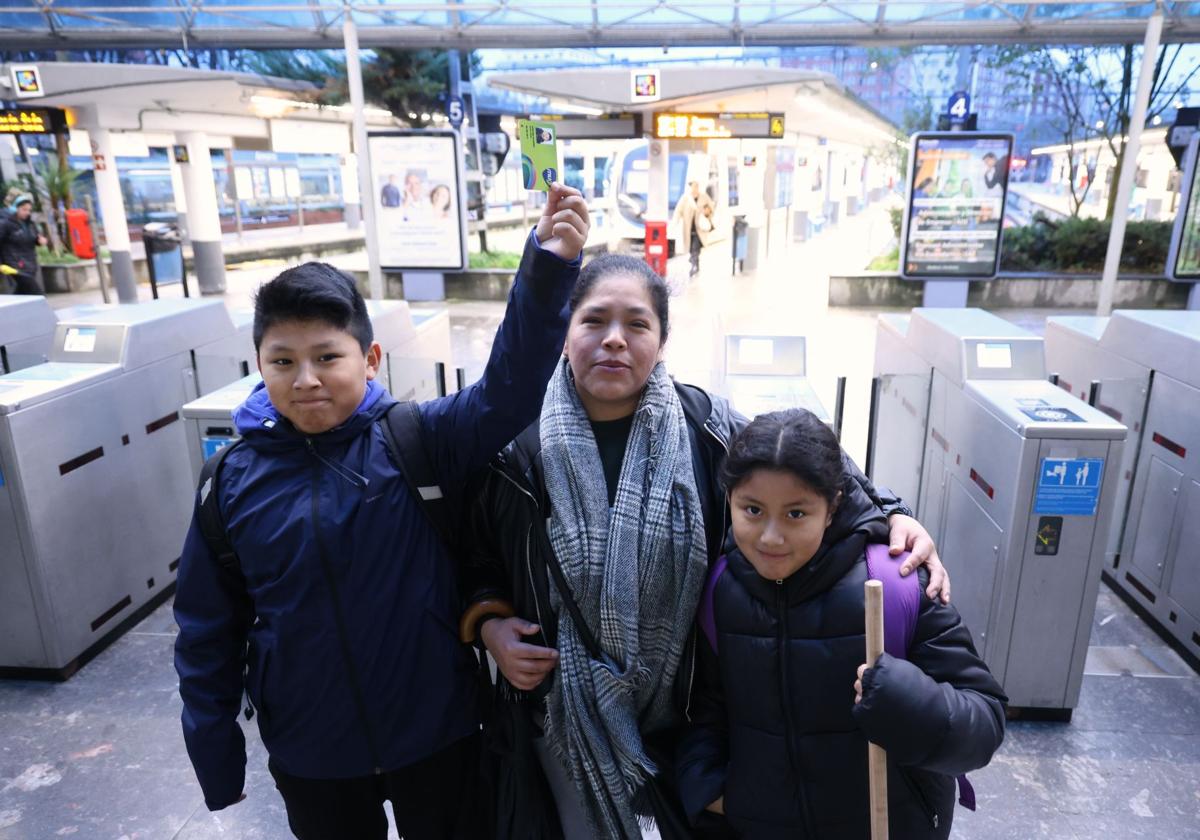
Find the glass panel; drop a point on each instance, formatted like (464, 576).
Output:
(17, 14)
(90, 14)
(901, 11)
(227, 14)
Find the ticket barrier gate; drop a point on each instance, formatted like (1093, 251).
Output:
(1015, 481)
(92, 456)
(415, 348)
(229, 358)
(26, 331)
(765, 373)
(1143, 369)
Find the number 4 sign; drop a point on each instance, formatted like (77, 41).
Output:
(959, 107)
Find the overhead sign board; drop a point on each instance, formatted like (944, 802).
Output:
(645, 85)
(417, 189)
(602, 127)
(1183, 259)
(26, 80)
(669, 125)
(32, 120)
(956, 193)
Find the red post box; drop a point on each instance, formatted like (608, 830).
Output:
(656, 247)
(81, 234)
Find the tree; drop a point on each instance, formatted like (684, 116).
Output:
(52, 182)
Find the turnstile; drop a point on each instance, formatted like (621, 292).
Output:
(26, 330)
(412, 343)
(93, 459)
(228, 358)
(764, 373)
(1146, 370)
(1015, 481)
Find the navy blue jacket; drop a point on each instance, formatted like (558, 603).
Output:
(295, 505)
(774, 727)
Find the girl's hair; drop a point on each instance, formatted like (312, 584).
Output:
(608, 265)
(793, 441)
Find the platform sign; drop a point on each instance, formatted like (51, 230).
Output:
(600, 127)
(670, 125)
(956, 193)
(32, 120)
(417, 190)
(455, 111)
(1069, 486)
(959, 107)
(1183, 260)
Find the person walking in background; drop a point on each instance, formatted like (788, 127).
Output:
(695, 212)
(19, 240)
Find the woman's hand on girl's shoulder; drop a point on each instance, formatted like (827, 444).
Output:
(524, 665)
(907, 534)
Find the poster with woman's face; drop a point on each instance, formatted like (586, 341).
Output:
(418, 214)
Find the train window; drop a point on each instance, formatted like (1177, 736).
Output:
(600, 172)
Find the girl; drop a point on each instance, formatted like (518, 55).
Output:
(593, 532)
(779, 724)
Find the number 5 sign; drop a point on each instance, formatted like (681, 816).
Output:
(455, 112)
(959, 107)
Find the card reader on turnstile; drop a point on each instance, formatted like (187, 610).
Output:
(765, 373)
(1015, 483)
(95, 489)
(26, 330)
(1145, 366)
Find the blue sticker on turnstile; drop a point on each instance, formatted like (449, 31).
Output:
(213, 445)
(1069, 486)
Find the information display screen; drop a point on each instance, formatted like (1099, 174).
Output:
(80, 340)
(1184, 261)
(713, 126)
(418, 201)
(955, 205)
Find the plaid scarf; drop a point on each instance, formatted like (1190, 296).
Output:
(636, 573)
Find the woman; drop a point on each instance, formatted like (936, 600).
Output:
(694, 212)
(593, 532)
(19, 239)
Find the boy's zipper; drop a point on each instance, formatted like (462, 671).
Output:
(931, 813)
(339, 619)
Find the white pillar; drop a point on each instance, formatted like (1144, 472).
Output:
(178, 192)
(112, 214)
(204, 217)
(658, 200)
(351, 197)
(1137, 121)
(354, 77)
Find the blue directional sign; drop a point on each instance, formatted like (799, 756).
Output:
(959, 107)
(455, 111)
(1069, 486)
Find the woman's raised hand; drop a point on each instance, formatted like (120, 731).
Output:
(523, 665)
(563, 228)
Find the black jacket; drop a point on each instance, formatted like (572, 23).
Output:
(774, 728)
(18, 244)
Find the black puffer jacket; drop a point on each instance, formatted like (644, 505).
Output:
(18, 244)
(774, 728)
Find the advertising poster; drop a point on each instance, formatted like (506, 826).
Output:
(1184, 260)
(955, 205)
(418, 202)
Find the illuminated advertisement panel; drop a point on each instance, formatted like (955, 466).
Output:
(956, 194)
(418, 200)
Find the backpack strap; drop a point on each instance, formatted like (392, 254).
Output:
(901, 599)
(208, 515)
(706, 616)
(405, 438)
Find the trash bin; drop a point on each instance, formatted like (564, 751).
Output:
(740, 242)
(164, 256)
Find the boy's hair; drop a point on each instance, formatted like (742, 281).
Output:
(608, 265)
(793, 441)
(314, 291)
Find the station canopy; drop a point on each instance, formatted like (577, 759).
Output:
(517, 24)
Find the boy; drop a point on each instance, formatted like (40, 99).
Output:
(339, 619)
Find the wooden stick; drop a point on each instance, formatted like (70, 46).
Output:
(876, 757)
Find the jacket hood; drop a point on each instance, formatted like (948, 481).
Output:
(259, 422)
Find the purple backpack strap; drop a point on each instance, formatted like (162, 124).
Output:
(901, 605)
(708, 621)
(901, 599)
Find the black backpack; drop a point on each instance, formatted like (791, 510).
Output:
(402, 433)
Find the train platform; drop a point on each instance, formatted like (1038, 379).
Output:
(102, 755)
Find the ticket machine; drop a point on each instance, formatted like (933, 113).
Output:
(26, 330)
(1014, 479)
(1142, 367)
(92, 458)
